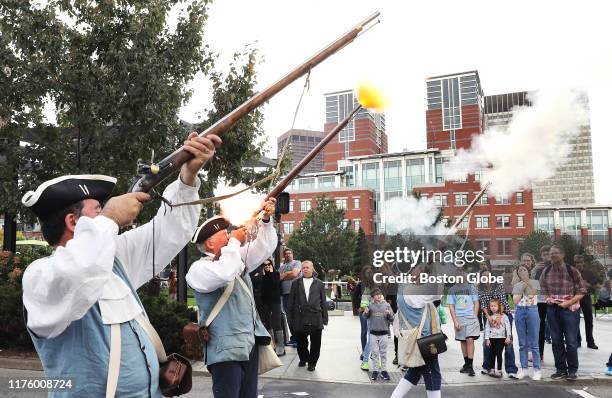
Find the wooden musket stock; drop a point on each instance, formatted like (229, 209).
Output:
(147, 180)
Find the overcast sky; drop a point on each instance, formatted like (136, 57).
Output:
(519, 45)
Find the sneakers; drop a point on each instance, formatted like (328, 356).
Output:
(609, 371)
(494, 373)
(464, 368)
(519, 375)
(514, 375)
(385, 375)
(374, 376)
(558, 375)
(571, 376)
(537, 375)
(365, 366)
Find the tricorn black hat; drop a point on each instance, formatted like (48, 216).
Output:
(55, 195)
(209, 228)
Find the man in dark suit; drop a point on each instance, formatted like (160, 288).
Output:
(306, 315)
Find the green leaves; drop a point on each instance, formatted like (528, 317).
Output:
(322, 239)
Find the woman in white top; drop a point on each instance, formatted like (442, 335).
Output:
(527, 320)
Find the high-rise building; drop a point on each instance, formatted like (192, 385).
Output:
(364, 135)
(301, 142)
(573, 182)
(454, 110)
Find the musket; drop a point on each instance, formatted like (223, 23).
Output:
(150, 176)
(295, 171)
(471, 206)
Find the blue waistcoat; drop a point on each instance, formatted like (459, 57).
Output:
(233, 331)
(82, 351)
(413, 316)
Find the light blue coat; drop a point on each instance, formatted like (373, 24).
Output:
(81, 354)
(233, 331)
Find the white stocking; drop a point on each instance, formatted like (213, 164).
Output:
(434, 394)
(402, 389)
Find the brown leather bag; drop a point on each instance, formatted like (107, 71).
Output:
(175, 376)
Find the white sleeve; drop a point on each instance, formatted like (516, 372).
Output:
(173, 230)
(206, 276)
(256, 252)
(61, 288)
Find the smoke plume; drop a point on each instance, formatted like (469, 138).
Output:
(412, 215)
(240, 208)
(534, 144)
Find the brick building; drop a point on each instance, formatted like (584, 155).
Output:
(301, 142)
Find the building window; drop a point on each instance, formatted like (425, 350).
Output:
(504, 247)
(440, 200)
(463, 224)
(502, 222)
(370, 176)
(348, 177)
(287, 228)
(477, 175)
(570, 222)
(356, 203)
(482, 222)
(484, 199)
(461, 199)
(393, 195)
(519, 197)
(451, 106)
(306, 183)
(326, 181)
(520, 221)
(439, 170)
(484, 245)
(393, 177)
(357, 224)
(597, 220)
(341, 203)
(345, 223)
(304, 205)
(290, 206)
(502, 199)
(337, 108)
(415, 173)
(544, 221)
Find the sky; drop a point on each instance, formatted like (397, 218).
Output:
(515, 46)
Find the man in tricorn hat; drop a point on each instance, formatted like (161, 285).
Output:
(236, 330)
(81, 306)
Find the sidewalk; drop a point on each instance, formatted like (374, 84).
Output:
(340, 350)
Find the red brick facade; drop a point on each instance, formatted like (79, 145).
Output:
(363, 145)
(363, 213)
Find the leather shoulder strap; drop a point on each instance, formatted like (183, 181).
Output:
(432, 313)
(114, 360)
(220, 303)
(143, 321)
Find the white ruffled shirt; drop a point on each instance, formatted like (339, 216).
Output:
(206, 275)
(61, 288)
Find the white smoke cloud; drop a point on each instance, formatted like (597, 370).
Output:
(411, 215)
(530, 149)
(240, 208)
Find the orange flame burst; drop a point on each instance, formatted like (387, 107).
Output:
(371, 97)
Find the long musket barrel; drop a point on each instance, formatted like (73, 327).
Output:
(471, 206)
(174, 161)
(282, 184)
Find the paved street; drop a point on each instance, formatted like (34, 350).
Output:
(295, 388)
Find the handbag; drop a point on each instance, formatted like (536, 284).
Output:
(268, 359)
(407, 352)
(434, 344)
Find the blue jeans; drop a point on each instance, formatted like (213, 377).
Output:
(430, 372)
(564, 326)
(509, 364)
(528, 330)
(235, 379)
(365, 329)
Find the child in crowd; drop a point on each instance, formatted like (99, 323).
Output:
(464, 306)
(497, 336)
(380, 315)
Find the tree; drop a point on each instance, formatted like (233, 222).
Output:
(533, 242)
(116, 73)
(323, 239)
(362, 252)
(570, 246)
